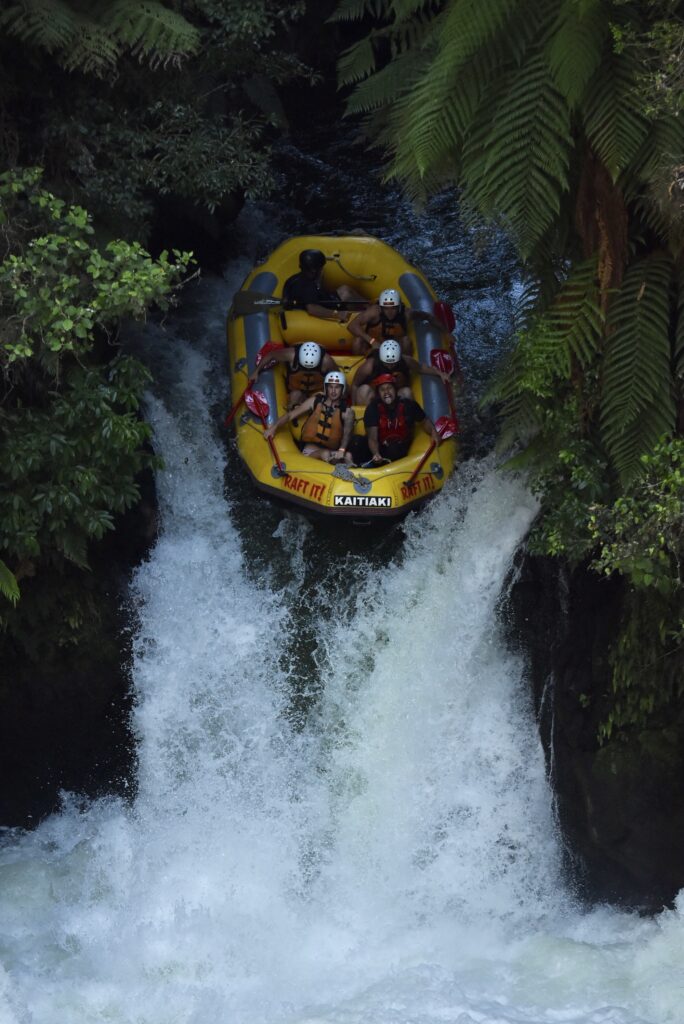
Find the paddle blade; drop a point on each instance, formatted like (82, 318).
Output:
(442, 360)
(269, 346)
(446, 427)
(445, 315)
(246, 302)
(257, 404)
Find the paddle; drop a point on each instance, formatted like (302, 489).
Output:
(444, 362)
(446, 427)
(246, 302)
(445, 315)
(263, 351)
(256, 403)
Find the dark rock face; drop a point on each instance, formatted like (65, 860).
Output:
(64, 708)
(621, 805)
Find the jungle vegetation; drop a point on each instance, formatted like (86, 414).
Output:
(561, 122)
(107, 108)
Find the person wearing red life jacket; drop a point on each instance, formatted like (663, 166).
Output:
(305, 366)
(329, 422)
(390, 420)
(389, 359)
(387, 318)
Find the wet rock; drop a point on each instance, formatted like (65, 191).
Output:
(620, 806)
(65, 705)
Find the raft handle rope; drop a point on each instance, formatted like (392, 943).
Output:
(335, 258)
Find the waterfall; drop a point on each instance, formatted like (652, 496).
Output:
(342, 813)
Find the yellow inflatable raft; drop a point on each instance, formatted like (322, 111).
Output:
(257, 317)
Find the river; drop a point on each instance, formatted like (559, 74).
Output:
(342, 813)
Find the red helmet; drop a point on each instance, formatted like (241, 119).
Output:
(384, 378)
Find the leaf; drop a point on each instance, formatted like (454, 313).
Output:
(638, 405)
(9, 587)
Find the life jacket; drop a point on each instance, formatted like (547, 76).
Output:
(300, 378)
(324, 426)
(383, 327)
(399, 371)
(393, 426)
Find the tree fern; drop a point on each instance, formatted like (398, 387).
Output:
(355, 10)
(679, 338)
(614, 125)
(638, 406)
(49, 24)
(519, 165)
(92, 36)
(357, 62)
(576, 46)
(380, 88)
(150, 30)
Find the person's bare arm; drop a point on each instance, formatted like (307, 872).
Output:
(281, 355)
(429, 371)
(373, 444)
(324, 313)
(429, 428)
(328, 364)
(358, 325)
(287, 417)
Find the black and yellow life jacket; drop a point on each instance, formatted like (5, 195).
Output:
(324, 425)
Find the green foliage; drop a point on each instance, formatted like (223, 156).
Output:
(9, 588)
(71, 440)
(641, 535)
(57, 289)
(92, 36)
(166, 148)
(138, 123)
(647, 663)
(638, 404)
(69, 468)
(659, 52)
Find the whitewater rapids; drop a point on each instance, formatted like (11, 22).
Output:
(370, 840)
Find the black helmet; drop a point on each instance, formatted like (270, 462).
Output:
(311, 259)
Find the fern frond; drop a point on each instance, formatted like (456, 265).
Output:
(574, 323)
(9, 587)
(679, 337)
(637, 406)
(355, 10)
(578, 40)
(50, 24)
(357, 62)
(405, 9)
(93, 50)
(517, 162)
(614, 126)
(381, 88)
(150, 30)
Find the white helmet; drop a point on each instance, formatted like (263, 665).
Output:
(390, 352)
(335, 377)
(390, 297)
(310, 355)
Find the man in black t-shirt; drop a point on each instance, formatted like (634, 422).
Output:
(306, 290)
(390, 420)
